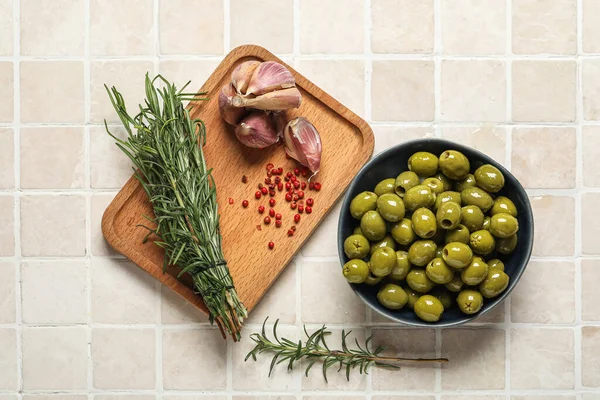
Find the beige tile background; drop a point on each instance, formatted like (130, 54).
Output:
(516, 79)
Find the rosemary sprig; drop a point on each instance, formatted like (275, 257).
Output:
(166, 149)
(315, 349)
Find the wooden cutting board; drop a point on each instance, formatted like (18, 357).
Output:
(347, 144)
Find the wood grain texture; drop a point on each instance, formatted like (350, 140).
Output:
(347, 144)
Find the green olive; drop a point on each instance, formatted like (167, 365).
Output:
(503, 205)
(482, 242)
(495, 263)
(402, 267)
(439, 252)
(361, 203)
(418, 280)
(358, 231)
(457, 255)
(421, 252)
(356, 246)
(402, 232)
(503, 225)
(455, 285)
(439, 272)
(372, 280)
(435, 184)
(454, 164)
(486, 223)
(356, 271)
(423, 163)
(495, 283)
(469, 301)
(385, 186)
(446, 197)
(475, 196)
(429, 308)
(448, 215)
(383, 261)
(506, 245)
(467, 182)
(373, 226)
(390, 207)
(419, 196)
(444, 296)
(413, 296)
(392, 296)
(489, 178)
(475, 272)
(472, 217)
(446, 182)
(387, 241)
(459, 234)
(424, 223)
(405, 181)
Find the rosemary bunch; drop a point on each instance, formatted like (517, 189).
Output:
(165, 145)
(315, 349)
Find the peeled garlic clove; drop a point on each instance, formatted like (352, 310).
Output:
(232, 115)
(303, 143)
(273, 101)
(242, 74)
(256, 130)
(270, 76)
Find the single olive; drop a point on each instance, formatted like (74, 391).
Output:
(419, 196)
(446, 182)
(457, 255)
(358, 231)
(392, 296)
(429, 308)
(439, 272)
(418, 280)
(455, 285)
(423, 163)
(413, 296)
(459, 234)
(489, 178)
(372, 280)
(475, 272)
(448, 215)
(361, 203)
(482, 242)
(506, 245)
(387, 241)
(421, 252)
(495, 283)
(385, 186)
(402, 267)
(495, 263)
(472, 217)
(454, 164)
(467, 182)
(356, 246)
(446, 197)
(503, 205)
(424, 223)
(402, 232)
(486, 223)
(405, 181)
(469, 301)
(356, 271)
(503, 225)
(435, 184)
(390, 207)
(444, 296)
(475, 196)
(373, 225)
(383, 261)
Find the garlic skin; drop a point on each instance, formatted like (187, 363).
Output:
(232, 115)
(270, 76)
(257, 130)
(280, 122)
(303, 143)
(278, 100)
(242, 74)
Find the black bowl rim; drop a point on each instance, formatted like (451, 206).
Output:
(455, 146)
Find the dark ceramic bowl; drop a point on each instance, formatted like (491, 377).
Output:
(392, 162)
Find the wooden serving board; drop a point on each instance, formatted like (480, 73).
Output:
(347, 144)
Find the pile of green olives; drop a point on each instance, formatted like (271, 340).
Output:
(433, 236)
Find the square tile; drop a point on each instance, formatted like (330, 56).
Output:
(553, 236)
(7, 99)
(541, 27)
(590, 225)
(54, 397)
(43, 34)
(8, 303)
(408, 31)
(590, 396)
(121, 28)
(542, 397)
(124, 358)
(6, 27)
(279, 301)
(541, 359)
(7, 158)
(183, 369)
(537, 161)
(417, 343)
(110, 167)
(182, 71)
(100, 202)
(52, 158)
(544, 91)
(177, 310)
(7, 232)
(124, 397)
(267, 23)
(591, 89)
(54, 292)
(487, 138)
(473, 27)
(257, 398)
(53, 226)
(122, 293)
(388, 136)
(337, 397)
(193, 397)
(590, 276)
(471, 350)
(591, 155)
(475, 397)
(54, 358)
(591, 26)
(8, 360)
(590, 350)
(9, 397)
(39, 94)
(403, 398)
(545, 294)
(403, 91)
(322, 243)
(343, 79)
(327, 297)
(325, 27)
